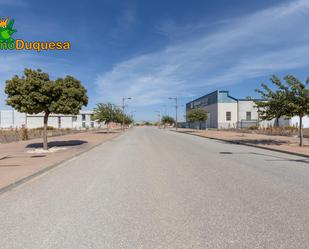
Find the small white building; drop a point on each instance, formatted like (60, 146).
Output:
(14, 119)
(225, 111)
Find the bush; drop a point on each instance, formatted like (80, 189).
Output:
(42, 128)
(24, 133)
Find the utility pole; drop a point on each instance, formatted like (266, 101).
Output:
(123, 110)
(159, 117)
(176, 107)
(132, 115)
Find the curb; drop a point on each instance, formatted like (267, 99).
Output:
(250, 145)
(42, 171)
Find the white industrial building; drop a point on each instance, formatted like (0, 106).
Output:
(225, 111)
(14, 119)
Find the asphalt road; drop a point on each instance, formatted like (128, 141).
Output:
(152, 188)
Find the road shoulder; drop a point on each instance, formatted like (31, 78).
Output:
(288, 145)
(22, 161)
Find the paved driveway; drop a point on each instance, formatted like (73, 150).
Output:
(152, 188)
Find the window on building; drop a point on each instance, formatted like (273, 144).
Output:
(84, 125)
(92, 124)
(248, 116)
(228, 116)
(83, 117)
(74, 118)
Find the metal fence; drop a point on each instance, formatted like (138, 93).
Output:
(248, 123)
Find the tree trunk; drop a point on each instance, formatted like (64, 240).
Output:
(45, 145)
(277, 123)
(300, 130)
(200, 125)
(107, 127)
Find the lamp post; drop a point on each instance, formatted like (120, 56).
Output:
(123, 109)
(176, 107)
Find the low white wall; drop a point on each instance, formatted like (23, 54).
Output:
(295, 121)
(12, 119)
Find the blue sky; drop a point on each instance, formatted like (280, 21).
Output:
(151, 50)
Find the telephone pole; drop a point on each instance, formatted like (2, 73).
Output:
(123, 109)
(176, 107)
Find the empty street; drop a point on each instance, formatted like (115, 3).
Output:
(154, 188)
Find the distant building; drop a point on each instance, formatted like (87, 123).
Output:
(14, 119)
(225, 111)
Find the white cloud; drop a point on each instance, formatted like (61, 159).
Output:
(259, 44)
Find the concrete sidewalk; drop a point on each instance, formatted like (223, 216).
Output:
(19, 160)
(276, 143)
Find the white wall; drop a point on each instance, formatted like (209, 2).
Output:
(66, 122)
(12, 119)
(222, 109)
(294, 121)
(247, 106)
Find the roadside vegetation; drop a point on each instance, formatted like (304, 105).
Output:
(109, 113)
(197, 115)
(35, 93)
(21, 134)
(167, 120)
(290, 98)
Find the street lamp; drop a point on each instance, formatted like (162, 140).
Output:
(176, 107)
(123, 107)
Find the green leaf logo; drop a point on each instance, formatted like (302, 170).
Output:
(7, 30)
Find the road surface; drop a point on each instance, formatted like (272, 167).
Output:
(152, 188)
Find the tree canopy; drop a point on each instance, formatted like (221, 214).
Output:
(291, 98)
(34, 93)
(110, 113)
(167, 120)
(271, 106)
(197, 115)
(107, 113)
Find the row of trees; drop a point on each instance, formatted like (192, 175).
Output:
(35, 93)
(110, 113)
(195, 115)
(289, 98)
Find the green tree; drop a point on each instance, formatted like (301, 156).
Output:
(34, 93)
(128, 120)
(197, 115)
(290, 99)
(167, 120)
(297, 101)
(271, 106)
(107, 113)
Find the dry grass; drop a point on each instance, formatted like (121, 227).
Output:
(13, 135)
(280, 131)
